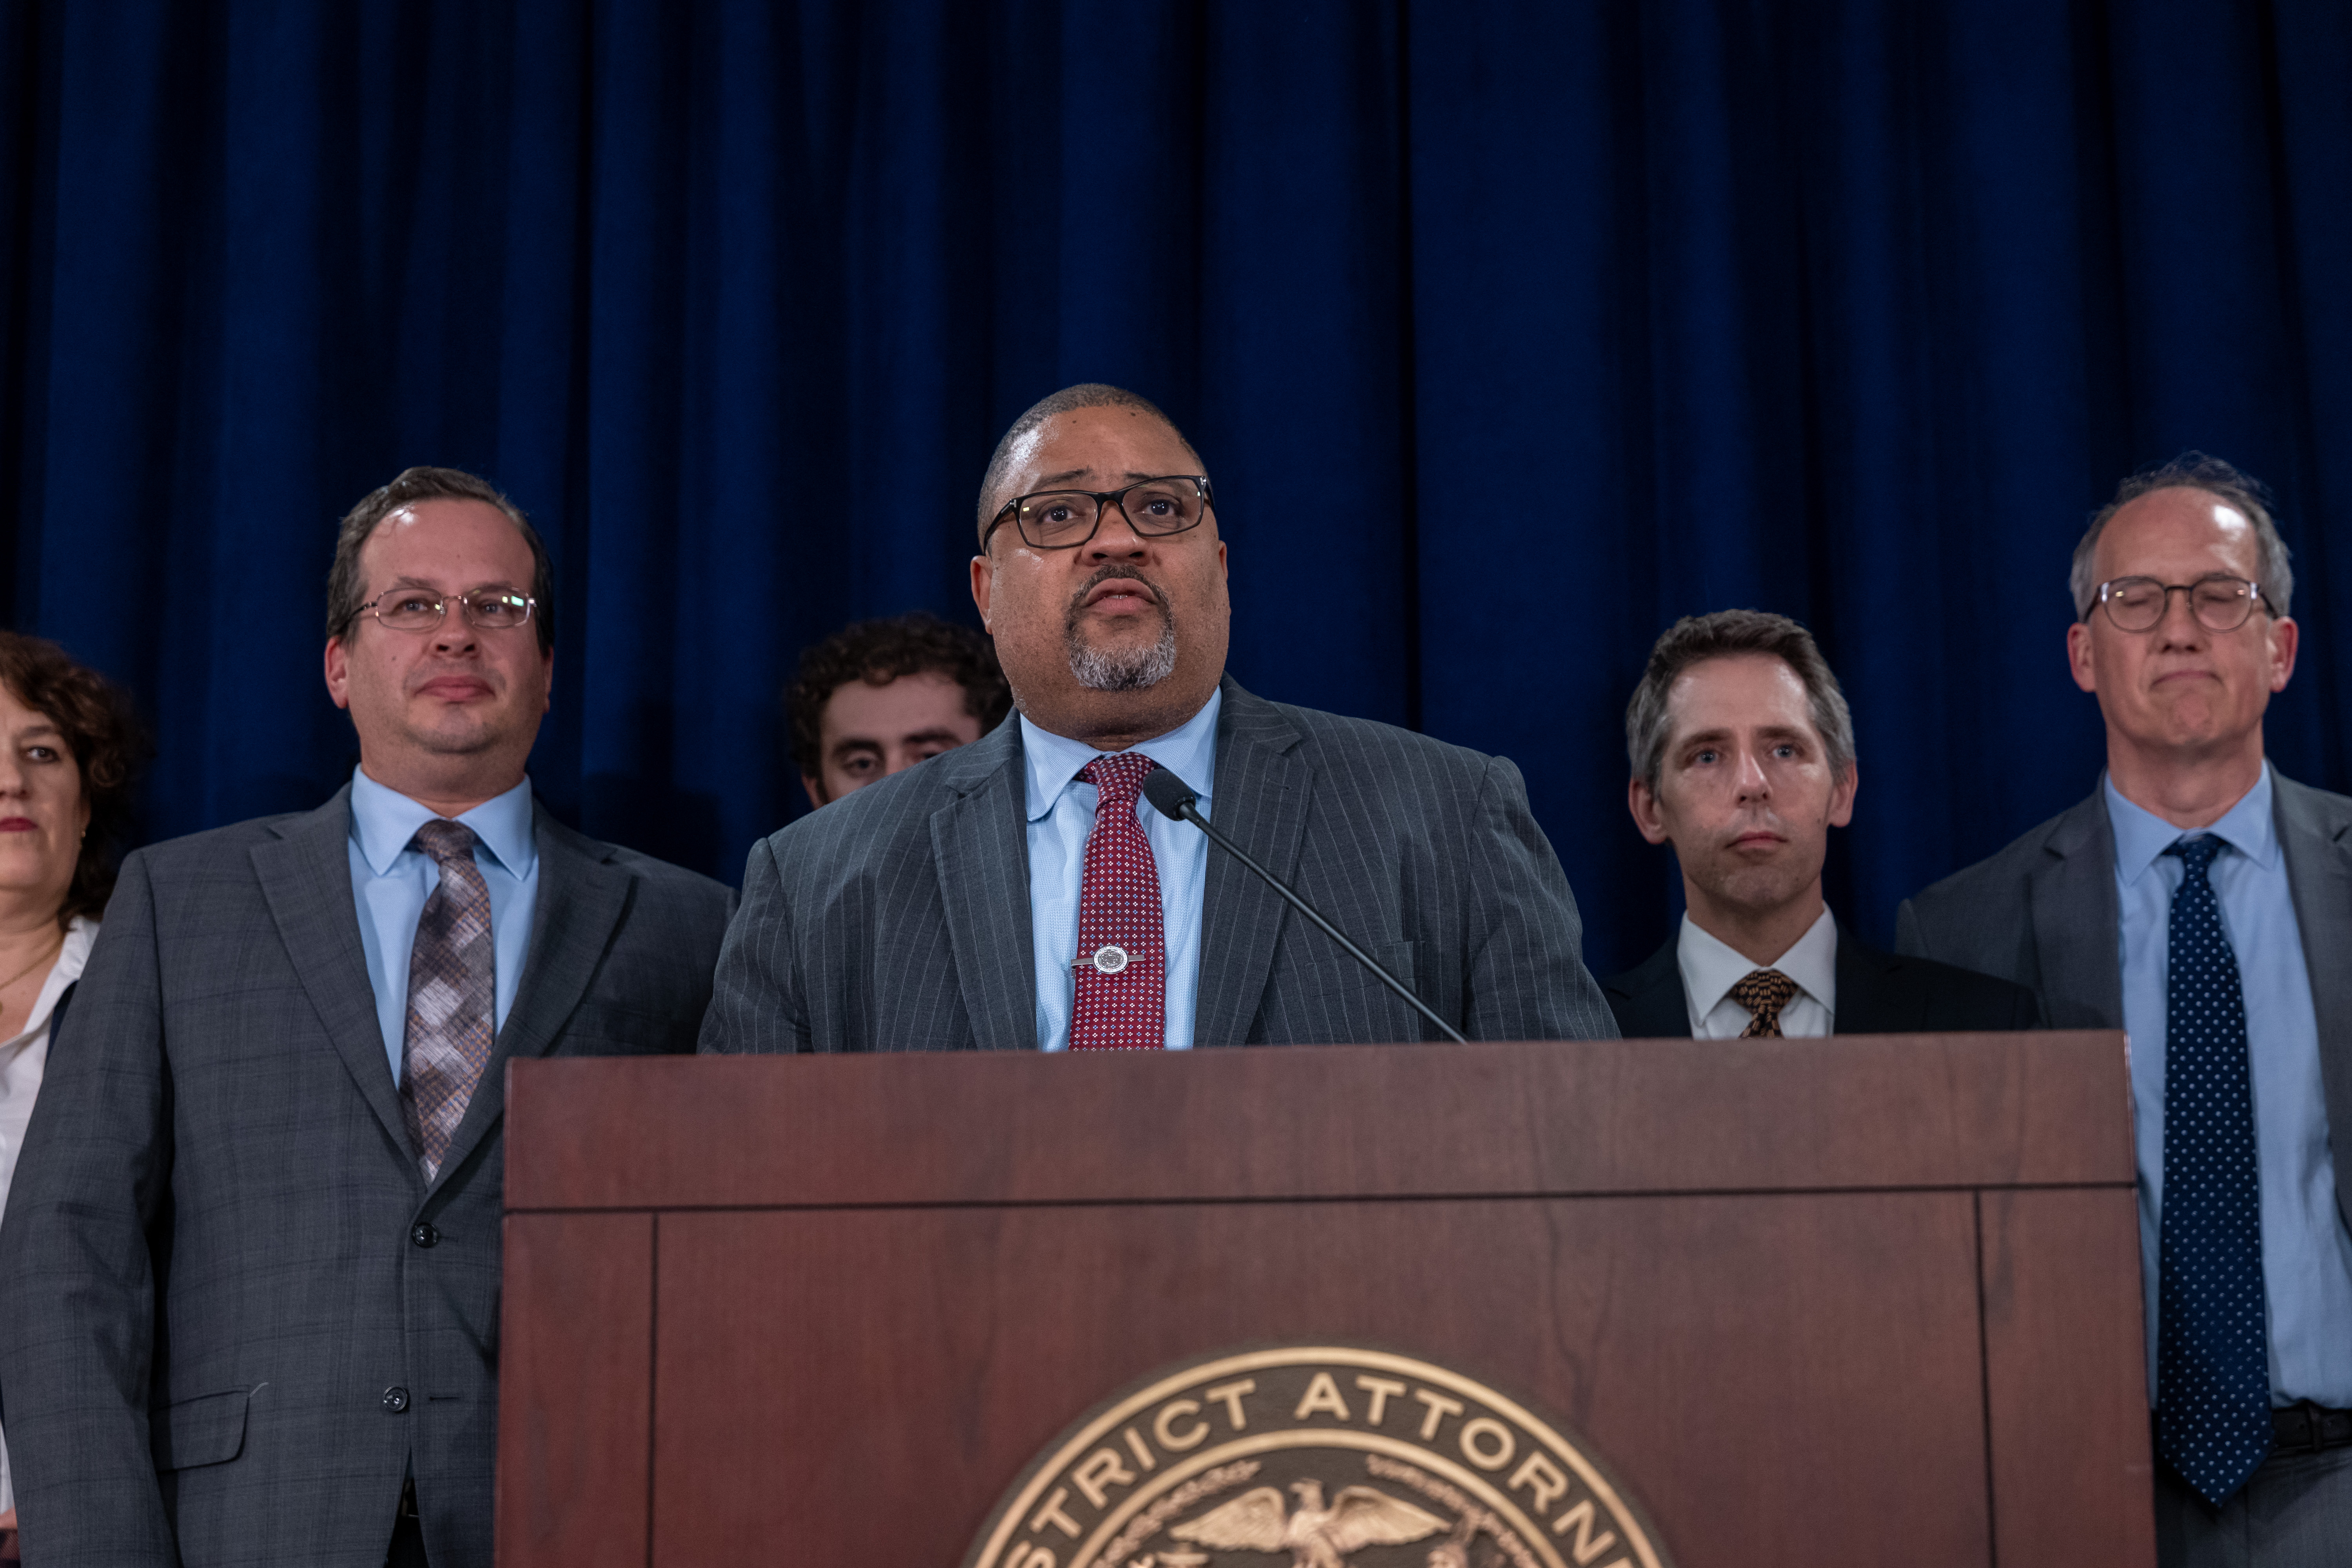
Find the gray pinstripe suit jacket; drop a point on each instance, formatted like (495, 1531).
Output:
(898, 919)
(207, 1273)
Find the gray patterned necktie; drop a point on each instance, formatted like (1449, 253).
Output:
(452, 996)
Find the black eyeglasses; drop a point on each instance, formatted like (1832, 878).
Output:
(422, 610)
(1063, 519)
(2221, 603)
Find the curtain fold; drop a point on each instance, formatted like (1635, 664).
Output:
(1508, 332)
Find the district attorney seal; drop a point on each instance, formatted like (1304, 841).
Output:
(1330, 1456)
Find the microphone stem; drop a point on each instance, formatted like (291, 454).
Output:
(1193, 815)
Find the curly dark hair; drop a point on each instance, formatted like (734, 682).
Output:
(879, 652)
(108, 744)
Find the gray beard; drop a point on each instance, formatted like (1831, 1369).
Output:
(1129, 669)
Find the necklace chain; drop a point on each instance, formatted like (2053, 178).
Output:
(45, 957)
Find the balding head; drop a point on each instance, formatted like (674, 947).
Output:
(1120, 636)
(1086, 394)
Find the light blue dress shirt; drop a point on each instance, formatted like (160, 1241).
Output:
(2306, 1254)
(1061, 816)
(390, 882)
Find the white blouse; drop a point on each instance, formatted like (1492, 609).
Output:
(21, 1061)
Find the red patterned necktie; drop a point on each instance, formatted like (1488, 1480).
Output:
(452, 996)
(1122, 951)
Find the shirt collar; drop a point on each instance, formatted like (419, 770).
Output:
(384, 820)
(81, 931)
(1188, 751)
(1711, 966)
(2141, 835)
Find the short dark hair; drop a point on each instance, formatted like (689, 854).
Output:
(2193, 471)
(879, 652)
(345, 586)
(108, 745)
(1086, 394)
(1695, 639)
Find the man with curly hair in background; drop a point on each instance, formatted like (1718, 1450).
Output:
(877, 697)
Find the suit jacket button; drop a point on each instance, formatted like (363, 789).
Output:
(395, 1399)
(423, 1235)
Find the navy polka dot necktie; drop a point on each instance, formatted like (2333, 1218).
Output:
(2212, 1345)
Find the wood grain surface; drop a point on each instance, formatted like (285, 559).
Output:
(1566, 1117)
(575, 1390)
(1813, 1302)
(2066, 1376)
(1796, 1370)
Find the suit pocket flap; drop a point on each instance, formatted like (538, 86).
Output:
(206, 1430)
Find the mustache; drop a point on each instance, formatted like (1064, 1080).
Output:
(1132, 670)
(1104, 573)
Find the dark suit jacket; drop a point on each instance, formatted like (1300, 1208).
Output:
(898, 918)
(2043, 912)
(1877, 993)
(211, 1270)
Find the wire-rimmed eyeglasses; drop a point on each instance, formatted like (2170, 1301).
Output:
(1063, 519)
(422, 610)
(2220, 602)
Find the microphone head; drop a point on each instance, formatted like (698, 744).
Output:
(1169, 792)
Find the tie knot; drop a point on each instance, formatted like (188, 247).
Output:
(2196, 853)
(1119, 776)
(1764, 992)
(445, 841)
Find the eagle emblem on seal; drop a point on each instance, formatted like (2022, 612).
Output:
(1315, 1454)
(1314, 1535)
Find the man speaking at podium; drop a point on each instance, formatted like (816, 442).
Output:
(1020, 894)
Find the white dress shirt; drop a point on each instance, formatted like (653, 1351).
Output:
(1711, 968)
(22, 1060)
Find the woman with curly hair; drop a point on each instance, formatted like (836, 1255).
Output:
(69, 748)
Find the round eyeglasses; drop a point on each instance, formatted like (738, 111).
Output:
(1063, 519)
(422, 610)
(2219, 603)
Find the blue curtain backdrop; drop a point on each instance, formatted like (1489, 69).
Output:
(1510, 331)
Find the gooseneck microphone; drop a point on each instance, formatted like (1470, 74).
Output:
(1177, 801)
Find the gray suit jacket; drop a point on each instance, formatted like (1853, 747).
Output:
(2043, 911)
(220, 1259)
(898, 919)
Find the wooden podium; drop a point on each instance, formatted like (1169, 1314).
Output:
(1854, 1301)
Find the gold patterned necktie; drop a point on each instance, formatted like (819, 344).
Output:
(1763, 993)
(452, 996)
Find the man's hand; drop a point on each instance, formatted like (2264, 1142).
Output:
(8, 1538)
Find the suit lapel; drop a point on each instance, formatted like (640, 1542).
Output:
(1655, 1005)
(581, 895)
(2312, 832)
(306, 877)
(1260, 801)
(2071, 899)
(980, 847)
